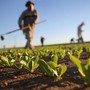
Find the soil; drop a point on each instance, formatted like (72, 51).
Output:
(14, 79)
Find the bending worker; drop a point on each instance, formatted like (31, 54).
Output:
(29, 17)
(79, 32)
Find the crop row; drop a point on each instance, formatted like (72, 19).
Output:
(32, 60)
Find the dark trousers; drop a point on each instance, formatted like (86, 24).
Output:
(80, 40)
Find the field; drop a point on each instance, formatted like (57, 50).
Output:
(14, 76)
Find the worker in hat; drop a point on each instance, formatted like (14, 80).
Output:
(79, 32)
(29, 17)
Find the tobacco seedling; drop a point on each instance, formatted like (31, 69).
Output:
(84, 69)
(52, 68)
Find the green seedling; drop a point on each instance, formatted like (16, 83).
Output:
(84, 69)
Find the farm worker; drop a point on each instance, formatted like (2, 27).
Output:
(42, 40)
(79, 32)
(29, 17)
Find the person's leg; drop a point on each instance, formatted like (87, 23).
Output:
(82, 39)
(31, 35)
(27, 38)
(78, 40)
(26, 46)
(42, 43)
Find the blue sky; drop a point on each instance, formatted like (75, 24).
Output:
(63, 17)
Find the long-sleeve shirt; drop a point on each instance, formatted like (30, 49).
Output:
(28, 17)
(80, 30)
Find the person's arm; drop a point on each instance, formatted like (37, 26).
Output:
(20, 20)
(37, 17)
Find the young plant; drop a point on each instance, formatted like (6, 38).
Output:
(5, 61)
(77, 53)
(30, 65)
(84, 69)
(46, 68)
(52, 68)
(61, 53)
